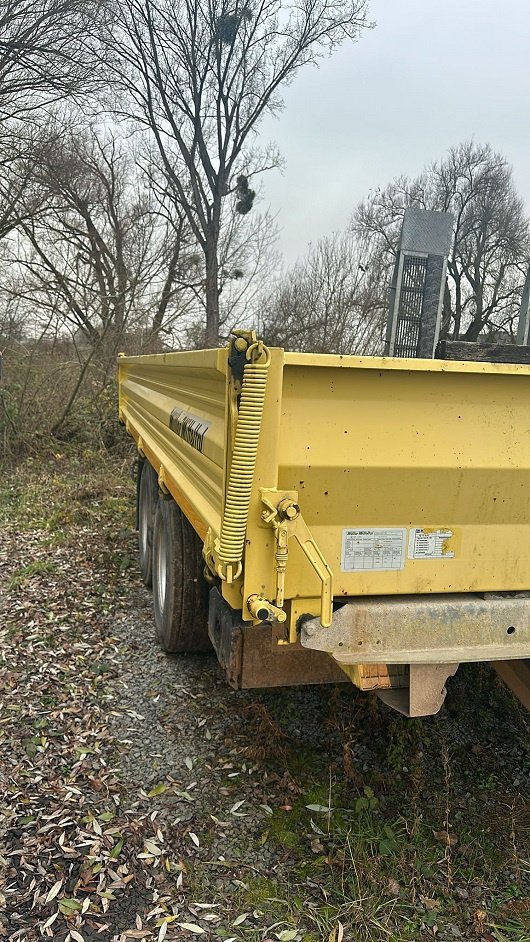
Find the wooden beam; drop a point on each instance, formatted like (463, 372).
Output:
(516, 676)
(484, 352)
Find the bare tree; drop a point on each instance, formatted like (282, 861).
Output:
(491, 241)
(92, 266)
(96, 250)
(46, 55)
(329, 302)
(249, 261)
(17, 162)
(45, 52)
(200, 77)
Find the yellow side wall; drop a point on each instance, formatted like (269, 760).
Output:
(151, 387)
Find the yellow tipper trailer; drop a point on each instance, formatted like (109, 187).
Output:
(316, 517)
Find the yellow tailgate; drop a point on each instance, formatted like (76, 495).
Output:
(413, 475)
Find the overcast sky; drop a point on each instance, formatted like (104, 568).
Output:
(429, 75)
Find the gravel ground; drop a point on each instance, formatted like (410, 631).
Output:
(176, 719)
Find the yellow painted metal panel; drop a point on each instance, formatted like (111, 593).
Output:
(192, 384)
(410, 444)
(402, 364)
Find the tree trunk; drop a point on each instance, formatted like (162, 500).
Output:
(447, 312)
(165, 296)
(212, 294)
(474, 329)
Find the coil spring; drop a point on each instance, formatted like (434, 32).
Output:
(234, 524)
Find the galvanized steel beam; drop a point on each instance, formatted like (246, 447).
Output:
(442, 629)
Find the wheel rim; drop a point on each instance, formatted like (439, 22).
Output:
(161, 567)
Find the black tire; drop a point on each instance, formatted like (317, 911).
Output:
(180, 591)
(147, 504)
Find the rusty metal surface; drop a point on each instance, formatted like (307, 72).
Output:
(267, 664)
(225, 632)
(251, 656)
(516, 676)
(424, 629)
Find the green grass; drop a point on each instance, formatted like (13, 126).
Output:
(37, 568)
(68, 492)
(377, 862)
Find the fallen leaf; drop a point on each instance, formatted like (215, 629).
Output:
(53, 892)
(237, 805)
(428, 902)
(152, 849)
(116, 850)
(69, 906)
(158, 790)
(393, 887)
(446, 837)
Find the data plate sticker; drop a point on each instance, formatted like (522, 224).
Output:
(427, 543)
(381, 549)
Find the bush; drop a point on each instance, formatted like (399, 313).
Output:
(56, 393)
